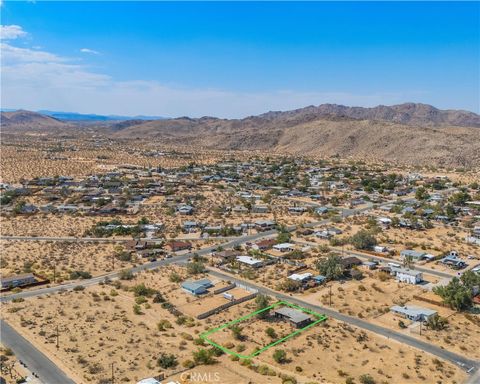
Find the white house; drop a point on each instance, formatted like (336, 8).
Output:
(301, 277)
(284, 247)
(250, 261)
(405, 275)
(413, 313)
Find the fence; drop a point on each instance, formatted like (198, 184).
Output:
(430, 301)
(220, 308)
(224, 289)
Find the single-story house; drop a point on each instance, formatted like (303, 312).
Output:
(284, 247)
(297, 318)
(300, 277)
(351, 261)
(185, 209)
(260, 209)
(250, 261)
(175, 246)
(189, 225)
(405, 275)
(17, 280)
(265, 225)
(240, 209)
(149, 380)
(263, 245)
(197, 287)
(413, 313)
(323, 235)
(380, 249)
(297, 210)
(66, 208)
(135, 245)
(321, 210)
(334, 231)
(370, 265)
(453, 261)
(415, 255)
(227, 254)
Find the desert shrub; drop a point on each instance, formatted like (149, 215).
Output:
(203, 356)
(271, 332)
(367, 379)
(163, 325)
(166, 361)
(280, 356)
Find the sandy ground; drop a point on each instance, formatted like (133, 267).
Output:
(97, 326)
(41, 257)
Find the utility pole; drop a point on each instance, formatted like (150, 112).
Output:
(330, 295)
(113, 261)
(57, 338)
(54, 271)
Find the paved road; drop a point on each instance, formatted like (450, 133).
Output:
(98, 279)
(35, 360)
(104, 239)
(465, 363)
(459, 360)
(66, 238)
(387, 260)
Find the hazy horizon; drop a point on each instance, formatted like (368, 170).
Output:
(232, 60)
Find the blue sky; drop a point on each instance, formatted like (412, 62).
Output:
(237, 59)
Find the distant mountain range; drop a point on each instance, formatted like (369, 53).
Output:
(406, 133)
(74, 116)
(93, 117)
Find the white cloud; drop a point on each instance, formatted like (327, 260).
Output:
(88, 50)
(36, 79)
(11, 32)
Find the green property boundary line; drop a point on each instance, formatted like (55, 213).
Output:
(205, 335)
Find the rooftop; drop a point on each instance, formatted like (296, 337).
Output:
(293, 314)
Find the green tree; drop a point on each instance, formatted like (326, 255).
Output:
(331, 267)
(437, 322)
(456, 295)
(261, 302)
(460, 198)
(408, 261)
(363, 240)
(421, 194)
(195, 268)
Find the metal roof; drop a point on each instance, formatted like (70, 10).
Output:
(294, 315)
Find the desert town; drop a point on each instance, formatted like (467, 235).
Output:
(240, 267)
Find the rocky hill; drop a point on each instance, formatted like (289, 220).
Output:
(407, 133)
(22, 121)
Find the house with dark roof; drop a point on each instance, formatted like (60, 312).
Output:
(295, 317)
